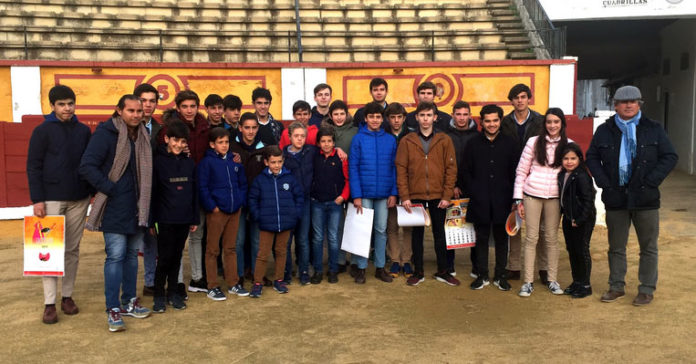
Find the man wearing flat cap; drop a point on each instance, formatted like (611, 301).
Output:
(629, 157)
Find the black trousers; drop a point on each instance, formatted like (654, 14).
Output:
(170, 245)
(578, 245)
(500, 237)
(437, 217)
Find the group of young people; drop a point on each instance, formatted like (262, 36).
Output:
(241, 187)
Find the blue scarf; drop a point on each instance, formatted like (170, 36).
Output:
(628, 146)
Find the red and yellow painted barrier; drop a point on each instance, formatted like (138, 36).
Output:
(98, 89)
(478, 85)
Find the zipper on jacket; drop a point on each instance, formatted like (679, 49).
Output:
(229, 181)
(427, 183)
(275, 184)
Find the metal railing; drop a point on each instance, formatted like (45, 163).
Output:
(554, 38)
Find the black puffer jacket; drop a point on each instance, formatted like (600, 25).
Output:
(577, 201)
(655, 158)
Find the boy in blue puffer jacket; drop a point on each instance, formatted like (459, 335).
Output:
(373, 184)
(223, 189)
(276, 202)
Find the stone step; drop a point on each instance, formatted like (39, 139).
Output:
(152, 55)
(521, 55)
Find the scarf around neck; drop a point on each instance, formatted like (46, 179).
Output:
(628, 146)
(143, 159)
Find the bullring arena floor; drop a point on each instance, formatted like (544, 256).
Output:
(377, 322)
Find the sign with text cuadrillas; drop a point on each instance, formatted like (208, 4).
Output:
(44, 246)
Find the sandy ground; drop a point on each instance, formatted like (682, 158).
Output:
(376, 322)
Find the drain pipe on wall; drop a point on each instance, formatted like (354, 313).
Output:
(299, 31)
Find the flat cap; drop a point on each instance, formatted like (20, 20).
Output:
(627, 93)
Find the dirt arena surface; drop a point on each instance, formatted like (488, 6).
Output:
(376, 322)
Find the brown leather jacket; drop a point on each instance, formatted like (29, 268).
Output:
(426, 177)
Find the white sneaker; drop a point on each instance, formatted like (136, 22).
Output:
(555, 288)
(527, 290)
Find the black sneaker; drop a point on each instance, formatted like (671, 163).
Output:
(181, 291)
(571, 289)
(198, 286)
(333, 277)
(316, 278)
(582, 292)
(177, 302)
(160, 305)
(479, 282)
(342, 268)
(502, 284)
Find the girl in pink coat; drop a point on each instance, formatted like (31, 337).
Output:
(536, 194)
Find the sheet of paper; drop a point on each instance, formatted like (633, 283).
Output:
(44, 246)
(357, 231)
(418, 216)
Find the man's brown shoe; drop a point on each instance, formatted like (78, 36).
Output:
(642, 299)
(68, 306)
(50, 316)
(611, 296)
(383, 275)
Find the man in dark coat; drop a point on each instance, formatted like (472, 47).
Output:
(149, 97)
(629, 157)
(426, 92)
(118, 164)
(55, 149)
(521, 124)
(490, 162)
(461, 129)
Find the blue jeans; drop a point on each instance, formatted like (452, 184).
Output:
(149, 258)
(301, 234)
(325, 215)
(379, 231)
(121, 266)
(250, 228)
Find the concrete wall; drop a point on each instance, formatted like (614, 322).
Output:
(677, 38)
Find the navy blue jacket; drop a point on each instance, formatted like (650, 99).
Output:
(221, 183)
(53, 159)
(330, 178)
(316, 118)
(174, 194)
(489, 177)
(121, 210)
(371, 164)
(301, 165)
(655, 158)
(276, 202)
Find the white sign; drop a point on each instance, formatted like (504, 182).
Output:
(569, 10)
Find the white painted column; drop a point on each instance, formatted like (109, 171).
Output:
(562, 87)
(298, 84)
(26, 92)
